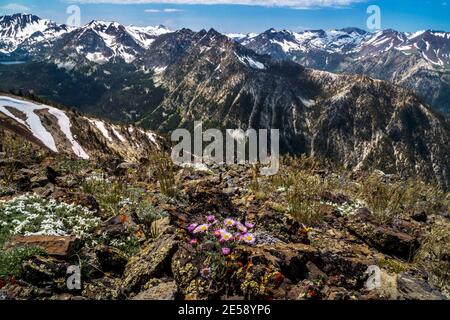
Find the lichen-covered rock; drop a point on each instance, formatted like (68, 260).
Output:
(158, 289)
(44, 271)
(411, 288)
(187, 264)
(185, 267)
(305, 290)
(103, 289)
(383, 238)
(23, 291)
(344, 271)
(269, 271)
(152, 261)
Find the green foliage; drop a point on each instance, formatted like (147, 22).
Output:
(14, 149)
(303, 188)
(74, 166)
(384, 199)
(12, 259)
(147, 213)
(392, 265)
(111, 195)
(127, 243)
(387, 197)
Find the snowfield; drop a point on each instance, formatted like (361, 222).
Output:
(33, 122)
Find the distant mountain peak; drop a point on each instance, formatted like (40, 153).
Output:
(17, 28)
(353, 29)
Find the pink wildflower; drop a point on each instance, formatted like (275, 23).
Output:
(201, 228)
(229, 222)
(249, 238)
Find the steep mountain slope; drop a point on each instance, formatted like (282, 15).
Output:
(118, 91)
(185, 76)
(353, 120)
(70, 133)
(418, 61)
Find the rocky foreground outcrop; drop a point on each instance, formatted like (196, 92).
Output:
(277, 258)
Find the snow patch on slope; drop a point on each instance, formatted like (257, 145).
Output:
(34, 124)
(118, 135)
(65, 125)
(246, 60)
(100, 125)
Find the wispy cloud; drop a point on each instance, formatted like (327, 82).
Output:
(268, 3)
(168, 10)
(14, 7)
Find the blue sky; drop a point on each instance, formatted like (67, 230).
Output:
(248, 16)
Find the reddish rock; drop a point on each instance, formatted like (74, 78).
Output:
(53, 245)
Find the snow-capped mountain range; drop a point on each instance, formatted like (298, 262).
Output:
(418, 61)
(99, 41)
(21, 29)
(432, 46)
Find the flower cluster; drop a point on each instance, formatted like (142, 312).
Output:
(32, 215)
(227, 233)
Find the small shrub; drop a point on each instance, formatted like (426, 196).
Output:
(419, 194)
(12, 148)
(128, 243)
(111, 195)
(162, 169)
(389, 200)
(74, 166)
(147, 214)
(304, 199)
(254, 183)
